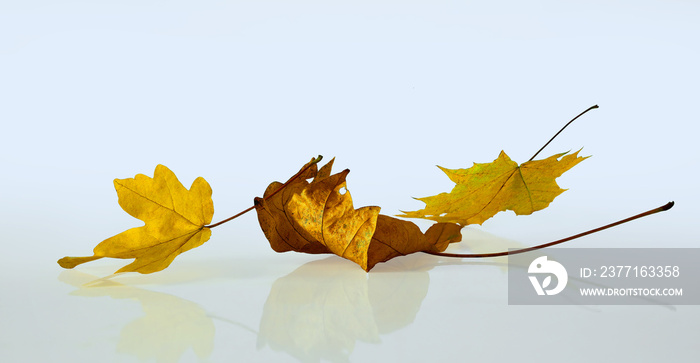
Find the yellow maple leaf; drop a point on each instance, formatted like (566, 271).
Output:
(174, 217)
(316, 217)
(488, 188)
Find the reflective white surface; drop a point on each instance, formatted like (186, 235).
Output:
(305, 308)
(245, 92)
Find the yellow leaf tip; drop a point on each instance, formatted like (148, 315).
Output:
(70, 262)
(66, 263)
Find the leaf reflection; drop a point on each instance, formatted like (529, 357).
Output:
(170, 326)
(320, 310)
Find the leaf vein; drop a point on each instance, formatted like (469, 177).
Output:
(158, 204)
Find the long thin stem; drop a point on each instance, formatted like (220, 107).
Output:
(665, 207)
(313, 161)
(562, 129)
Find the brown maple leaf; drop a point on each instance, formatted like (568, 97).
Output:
(316, 217)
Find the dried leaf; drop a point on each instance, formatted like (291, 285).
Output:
(486, 189)
(175, 218)
(395, 237)
(315, 217)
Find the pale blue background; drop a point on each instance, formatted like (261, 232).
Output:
(245, 92)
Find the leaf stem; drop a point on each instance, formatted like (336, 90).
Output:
(665, 207)
(562, 129)
(304, 169)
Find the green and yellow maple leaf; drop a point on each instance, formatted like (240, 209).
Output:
(488, 188)
(175, 222)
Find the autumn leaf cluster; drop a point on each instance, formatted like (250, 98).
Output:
(313, 212)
